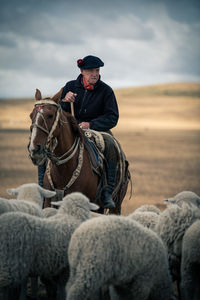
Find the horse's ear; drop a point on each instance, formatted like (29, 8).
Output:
(57, 96)
(38, 95)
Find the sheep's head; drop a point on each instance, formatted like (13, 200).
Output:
(31, 192)
(75, 204)
(184, 197)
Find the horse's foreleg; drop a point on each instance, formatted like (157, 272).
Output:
(47, 202)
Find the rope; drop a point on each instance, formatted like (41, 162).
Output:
(77, 170)
(48, 171)
(75, 174)
(45, 102)
(72, 108)
(75, 146)
(53, 128)
(40, 127)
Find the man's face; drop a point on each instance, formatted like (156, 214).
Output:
(91, 75)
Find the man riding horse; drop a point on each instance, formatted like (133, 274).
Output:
(94, 107)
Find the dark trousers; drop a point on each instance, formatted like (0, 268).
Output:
(41, 171)
(111, 155)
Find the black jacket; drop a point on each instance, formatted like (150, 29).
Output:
(98, 106)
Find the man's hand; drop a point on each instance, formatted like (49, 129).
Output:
(84, 125)
(69, 97)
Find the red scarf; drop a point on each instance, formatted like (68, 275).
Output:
(87, 86)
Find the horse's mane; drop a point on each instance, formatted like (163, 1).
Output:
(74, 125)
(72, 121)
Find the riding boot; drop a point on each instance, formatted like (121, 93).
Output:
(107, 193)
(41, 171)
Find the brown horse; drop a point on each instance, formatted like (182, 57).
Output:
(56, 137)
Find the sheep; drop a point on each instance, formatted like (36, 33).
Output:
(29, 199)
(184, 197)
(147, 215)
(148, 219)
(38, 246)
(171, 227)
(190, 263)
(31, 192)
(49, 212)
(117, 251)
(148, 207)
(9, 205)
(95, 214)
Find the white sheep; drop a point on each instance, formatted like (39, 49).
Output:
(184, 197)
(148, 219)
(31, 192)
(9, 205)
(49, 212)
(29, 199)
(171, 227)
(190, 263)
(38, 246)
(117, 251)
(148, 207)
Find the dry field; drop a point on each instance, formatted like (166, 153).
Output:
(159, 130)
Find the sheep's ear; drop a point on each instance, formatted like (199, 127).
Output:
(170, 200)
(47, 193)
(56, 203)
(93, 206)
(13, 191)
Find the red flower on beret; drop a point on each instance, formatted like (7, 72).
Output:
(80, 62)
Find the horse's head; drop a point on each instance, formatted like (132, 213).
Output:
(44, 117)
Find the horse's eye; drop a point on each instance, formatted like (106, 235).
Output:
(50, 116)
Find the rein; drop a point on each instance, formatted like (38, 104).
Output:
(75, 174)
(74, 147)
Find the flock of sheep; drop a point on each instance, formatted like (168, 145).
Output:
(78, 256)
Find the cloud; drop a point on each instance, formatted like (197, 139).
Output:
(7, 40)
(184, 11)
(140, 43)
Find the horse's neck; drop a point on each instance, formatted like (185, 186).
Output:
(65, 140)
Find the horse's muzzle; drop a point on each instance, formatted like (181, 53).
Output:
(39, 160)
(37, 155)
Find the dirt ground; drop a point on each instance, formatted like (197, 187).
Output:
(159, 131)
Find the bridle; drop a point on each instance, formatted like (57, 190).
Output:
(51, 141)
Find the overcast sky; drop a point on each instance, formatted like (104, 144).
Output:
(141, 42)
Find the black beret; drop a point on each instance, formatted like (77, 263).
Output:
(90, 62)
